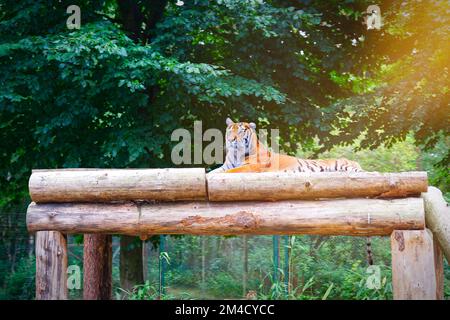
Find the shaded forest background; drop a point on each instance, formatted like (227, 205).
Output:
(111, 93)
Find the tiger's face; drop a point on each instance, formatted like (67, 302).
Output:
(240, 140)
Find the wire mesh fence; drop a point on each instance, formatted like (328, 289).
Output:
(267, 267)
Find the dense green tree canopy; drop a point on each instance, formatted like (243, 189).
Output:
(410, 87)
(111, 93)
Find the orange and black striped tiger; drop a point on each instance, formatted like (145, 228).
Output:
(245, 153)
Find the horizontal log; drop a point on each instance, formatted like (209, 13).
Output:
(273, 186)
(102, 185)
(360, 217)
(437, 217)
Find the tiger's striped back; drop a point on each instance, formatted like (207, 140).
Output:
(329, 165)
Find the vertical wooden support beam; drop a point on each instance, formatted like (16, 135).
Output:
(413, 265)
(51, 266)
(439, 267)
(97, 266)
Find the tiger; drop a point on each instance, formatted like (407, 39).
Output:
(245, 153)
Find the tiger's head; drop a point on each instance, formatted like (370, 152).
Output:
(240, 141)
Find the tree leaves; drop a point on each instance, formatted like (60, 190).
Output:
(106, 95)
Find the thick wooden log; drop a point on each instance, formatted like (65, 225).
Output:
(439, 268)
(97, 267)
(102, 185)
(437, 217)
(362, 217)
(51, 266)
(273, 186)
(413, 265)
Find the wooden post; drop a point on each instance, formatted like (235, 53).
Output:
(439, 267)
(51, 266)
(413, 265)
(97, 266)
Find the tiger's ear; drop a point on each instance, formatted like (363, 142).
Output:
(229, 122)
(252, 125)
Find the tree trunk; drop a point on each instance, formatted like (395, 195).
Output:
(130, 262)
(97, 283)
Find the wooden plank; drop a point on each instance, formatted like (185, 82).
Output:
(274, 186)
(103, 185)
(51, 266)
(439, 267)
(97, 267)
(361, 217)
(413, 265)
(437, 217)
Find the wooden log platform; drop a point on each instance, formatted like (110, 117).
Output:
(358, 217)
(143, 202)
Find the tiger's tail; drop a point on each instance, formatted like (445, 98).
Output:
(369, 251)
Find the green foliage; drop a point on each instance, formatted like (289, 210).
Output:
(411, 83)
(402, 156)
(109, 95)
(354, 285)
(438, 175)
(19, 284)
(147, 291)
(224, 284)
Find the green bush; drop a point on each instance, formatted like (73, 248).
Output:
(20, 284)
(224, 285)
